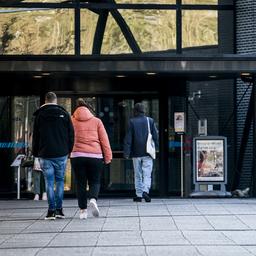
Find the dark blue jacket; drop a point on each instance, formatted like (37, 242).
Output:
(137, 134)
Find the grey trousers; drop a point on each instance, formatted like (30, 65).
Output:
(39, 182)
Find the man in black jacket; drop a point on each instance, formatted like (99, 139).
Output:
(135, 146)
(53, 139)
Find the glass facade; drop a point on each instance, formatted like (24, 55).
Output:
(36, 32)
(199, 28)
(45, 30)
(22, 130)
(200, 2)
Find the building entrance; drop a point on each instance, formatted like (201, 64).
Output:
(115, 111)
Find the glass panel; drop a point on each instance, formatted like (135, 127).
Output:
(199, 28)
(88, 26)
(22, 128)
(199, 1)
(114, 41)
(40, 1)
(154, 30)
(33, 31)
(146, 1)
(66, 103)
(115, 114)
(176, 104)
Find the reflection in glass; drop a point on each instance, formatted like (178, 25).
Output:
(42, 1)
(22, 129)
(36, 31)
(114, 41)
(146, 1)
(88, 26)
(66, 103)
(199, 28)
(116, 113)
(199, 1)
(154, 30)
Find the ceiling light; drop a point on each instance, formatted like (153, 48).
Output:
(37, 76)
(212, 76)
(120, 76)
(46, 74)
(151, 73)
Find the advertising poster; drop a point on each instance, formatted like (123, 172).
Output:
(210, 160)
(179, 122)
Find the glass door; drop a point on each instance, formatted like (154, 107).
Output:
(115, 111)
(66, 102)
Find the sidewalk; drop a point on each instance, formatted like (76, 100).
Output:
(178, 227)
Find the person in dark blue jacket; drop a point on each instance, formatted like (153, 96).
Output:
(135, 147)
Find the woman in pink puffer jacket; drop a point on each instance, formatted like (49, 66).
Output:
(91, 149)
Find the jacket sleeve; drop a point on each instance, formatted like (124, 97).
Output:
(104, 142)
(128, 141)
(35, 138)
(70, 134)
(155, 134)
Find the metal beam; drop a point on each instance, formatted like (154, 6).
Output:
(177, 66)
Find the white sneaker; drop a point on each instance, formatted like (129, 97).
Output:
(83, 214)
(95, 210)
(36, 198)
(44, 197)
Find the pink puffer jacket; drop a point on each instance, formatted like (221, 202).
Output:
(90, 134)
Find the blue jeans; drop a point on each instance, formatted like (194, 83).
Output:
(142, 174)
(54, 170)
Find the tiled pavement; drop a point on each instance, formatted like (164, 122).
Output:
(209, 227)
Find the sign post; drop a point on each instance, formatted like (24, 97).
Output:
(179, 127)
(17, 163)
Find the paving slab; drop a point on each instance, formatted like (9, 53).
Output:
(192, 223)
(207, 238)
(243, 237)
(28, 241)
(131, 238)
(120, 251)
(74, 239)
(223, 251)
(155, 223)
(172, 250)
(124, 224)
(164, 238)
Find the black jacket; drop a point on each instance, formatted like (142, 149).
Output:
(136, 138)
(53, 133)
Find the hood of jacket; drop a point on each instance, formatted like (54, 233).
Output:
(82, 114)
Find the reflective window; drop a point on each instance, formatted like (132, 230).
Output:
(146, 1)
(66, 103)
(43, 1)
(114, 41)
(88, 25)
(199, 28)
(33, 31)
(153, 30)
(22, 129)
(115, 114)
(199, 1)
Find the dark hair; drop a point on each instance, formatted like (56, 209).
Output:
(80, 102)
(50, 97)
(139, 108)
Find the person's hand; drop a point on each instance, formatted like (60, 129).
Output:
(108, 162)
